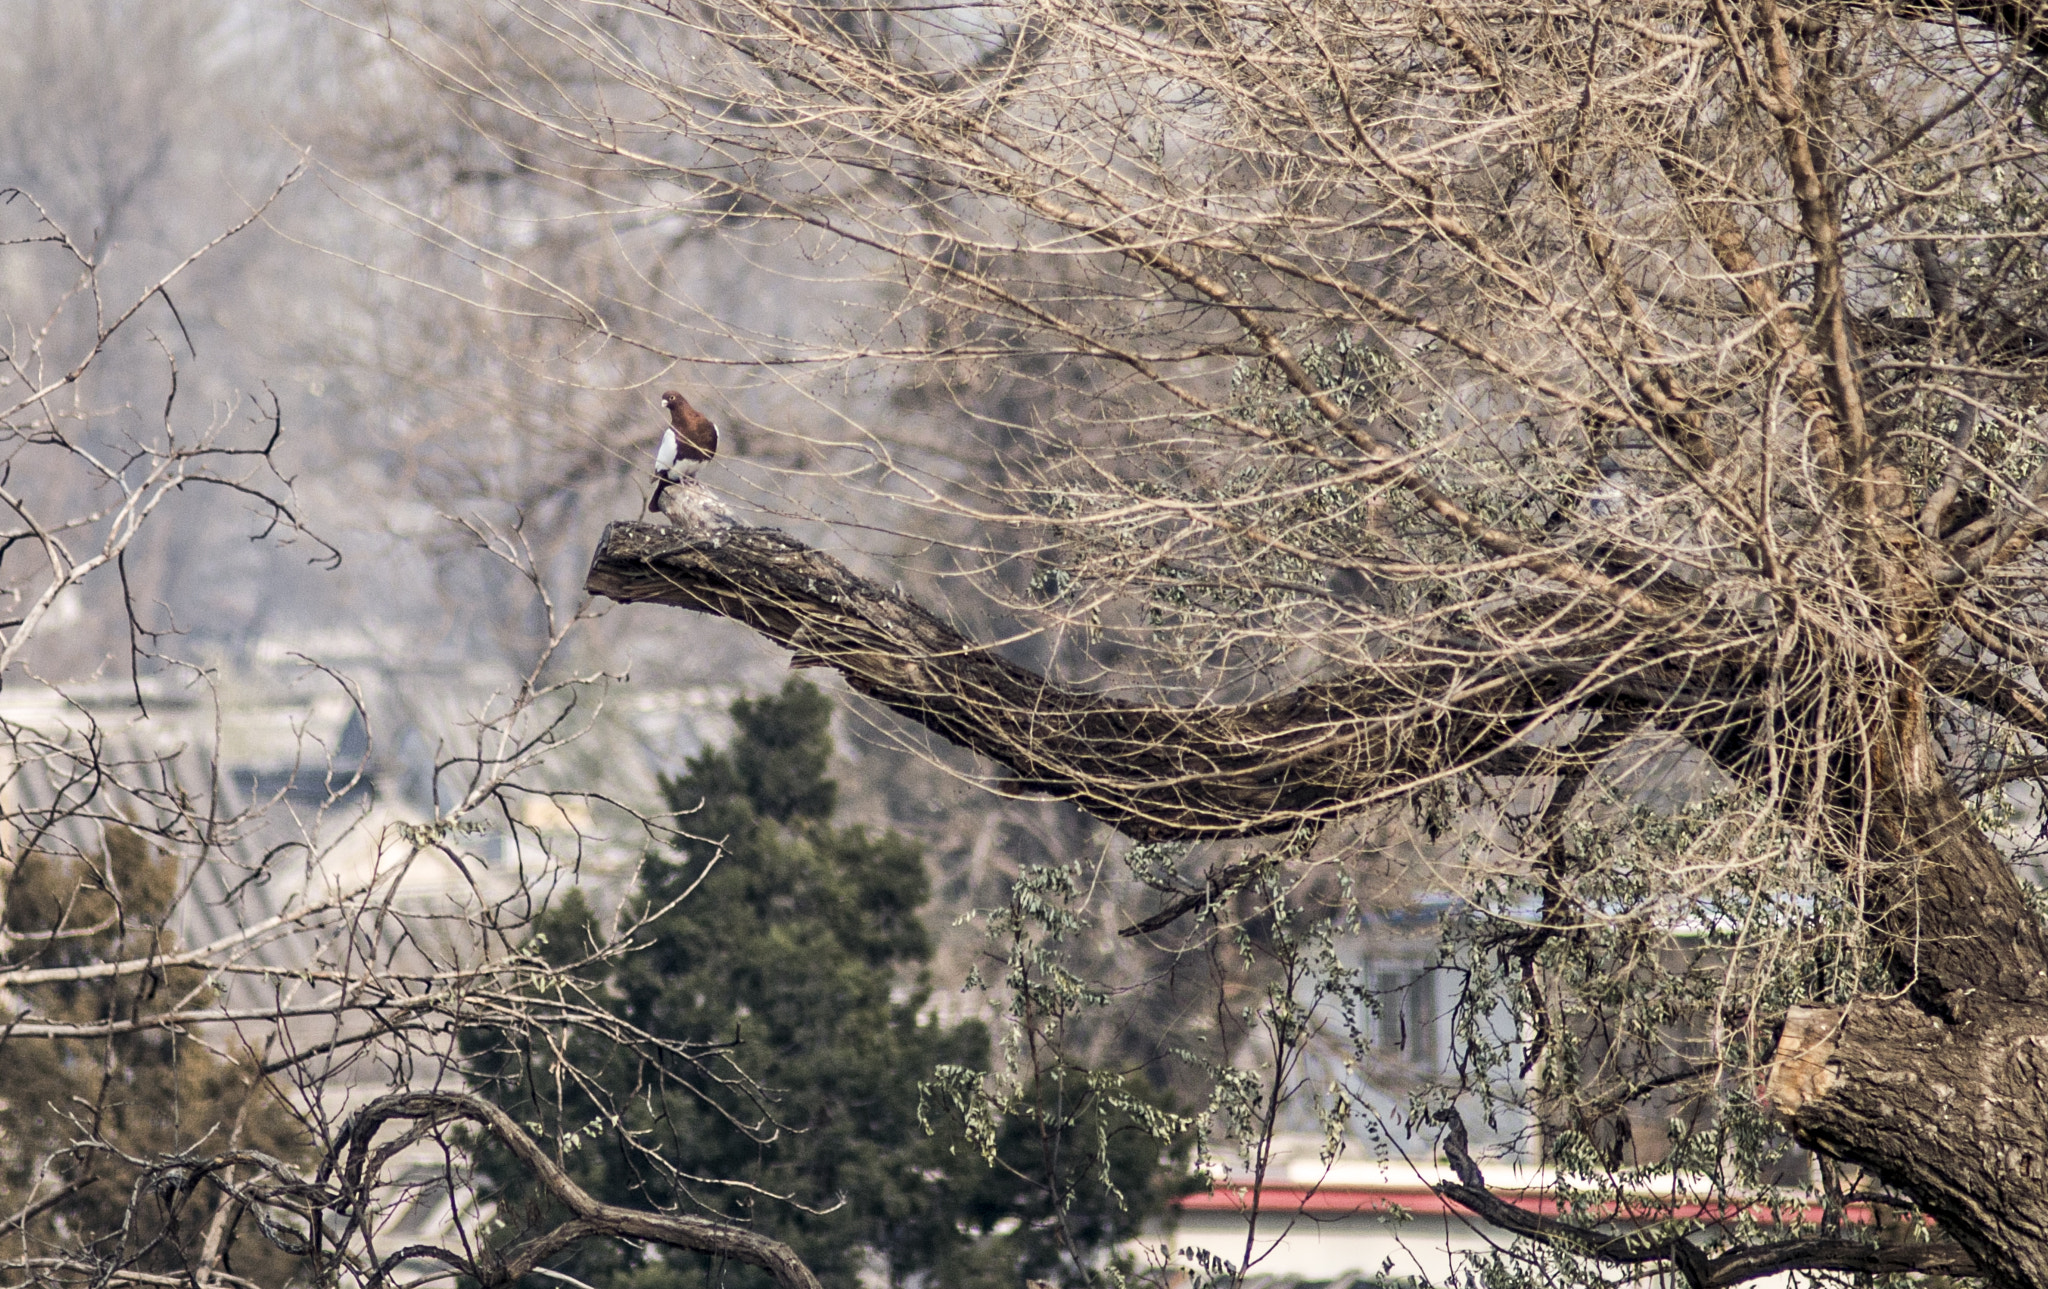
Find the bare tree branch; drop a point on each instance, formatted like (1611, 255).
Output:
(350, 1160)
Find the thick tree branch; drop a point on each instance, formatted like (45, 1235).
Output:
(1994, 691)
(1157, 772)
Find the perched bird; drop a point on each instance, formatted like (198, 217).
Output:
(690, 438)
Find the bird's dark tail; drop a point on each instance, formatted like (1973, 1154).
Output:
(654, 502)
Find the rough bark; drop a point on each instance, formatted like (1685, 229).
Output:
(1944, 905)
(1154, 771)
(1955, 1115)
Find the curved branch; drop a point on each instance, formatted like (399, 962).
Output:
(589, 1217)
(1156, 772)
(1736, 1266)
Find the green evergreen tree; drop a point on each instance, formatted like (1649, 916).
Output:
(791, 949)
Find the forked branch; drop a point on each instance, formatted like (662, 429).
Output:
(356, 1160)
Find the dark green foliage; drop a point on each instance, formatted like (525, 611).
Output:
(781, 758)
(790, 949)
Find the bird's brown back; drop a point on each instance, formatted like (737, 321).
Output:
(696, 436)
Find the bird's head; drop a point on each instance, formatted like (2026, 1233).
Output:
(670, 398)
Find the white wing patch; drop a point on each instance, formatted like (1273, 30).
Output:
(665, 455)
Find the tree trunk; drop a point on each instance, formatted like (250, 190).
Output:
(1940, 1089)
(1954, 1115)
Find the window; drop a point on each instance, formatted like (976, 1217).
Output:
(1408, 1016)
